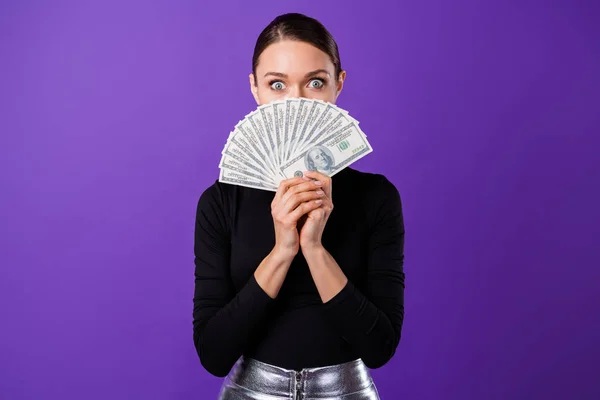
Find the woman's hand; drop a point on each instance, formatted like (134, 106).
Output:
(294, 198)
(312, 230)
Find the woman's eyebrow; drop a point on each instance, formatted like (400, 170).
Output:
(279, 74)
(311, 73)
(317, 71)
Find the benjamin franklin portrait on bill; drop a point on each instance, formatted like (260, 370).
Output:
(319, 159)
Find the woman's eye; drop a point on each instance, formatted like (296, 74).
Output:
(277, 85)
(316, 83)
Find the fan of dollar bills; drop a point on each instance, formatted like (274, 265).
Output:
(284, 138)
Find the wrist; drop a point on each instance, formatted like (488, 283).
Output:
(283, 255)
(312, 249)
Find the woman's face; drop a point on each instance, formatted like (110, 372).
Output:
(289, 69)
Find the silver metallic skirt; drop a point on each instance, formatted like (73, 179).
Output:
(250, 379)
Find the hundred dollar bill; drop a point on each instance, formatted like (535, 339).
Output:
(299, 122)
(237, 178)
(330, 154)
(350, 118)
(313, 122)
(234, 165)
(268, 124)
(238, 148)
(307, 118)
(329, 121)
(278, 117)
(291, 109)
(257, 142)
(256, 121)
(332, 120)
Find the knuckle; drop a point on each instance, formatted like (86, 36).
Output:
(297, 188)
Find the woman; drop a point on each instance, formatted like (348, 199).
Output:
(292, 299)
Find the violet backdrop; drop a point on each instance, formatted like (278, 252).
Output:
(485, 114)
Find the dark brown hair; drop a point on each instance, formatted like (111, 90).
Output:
(295, 26)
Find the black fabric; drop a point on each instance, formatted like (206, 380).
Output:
(233, 316)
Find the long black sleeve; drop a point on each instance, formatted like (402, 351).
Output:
(224, 321)
(372, 321)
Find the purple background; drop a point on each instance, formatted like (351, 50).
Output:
(484, 114)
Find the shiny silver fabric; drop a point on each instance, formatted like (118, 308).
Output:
(251, 379)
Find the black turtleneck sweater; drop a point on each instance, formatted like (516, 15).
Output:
(233, 316)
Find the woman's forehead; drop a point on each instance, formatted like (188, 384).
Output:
(293, 58)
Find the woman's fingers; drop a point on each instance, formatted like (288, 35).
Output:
(296, 199)
(324, 179)
(304, 208)
(304, 186)
(298, 196)
(284, 185)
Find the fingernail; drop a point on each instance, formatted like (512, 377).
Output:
(318, 183)
(320, 192)
(318, 201)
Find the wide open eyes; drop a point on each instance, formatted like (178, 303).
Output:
(316, 83)
(277, 85)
